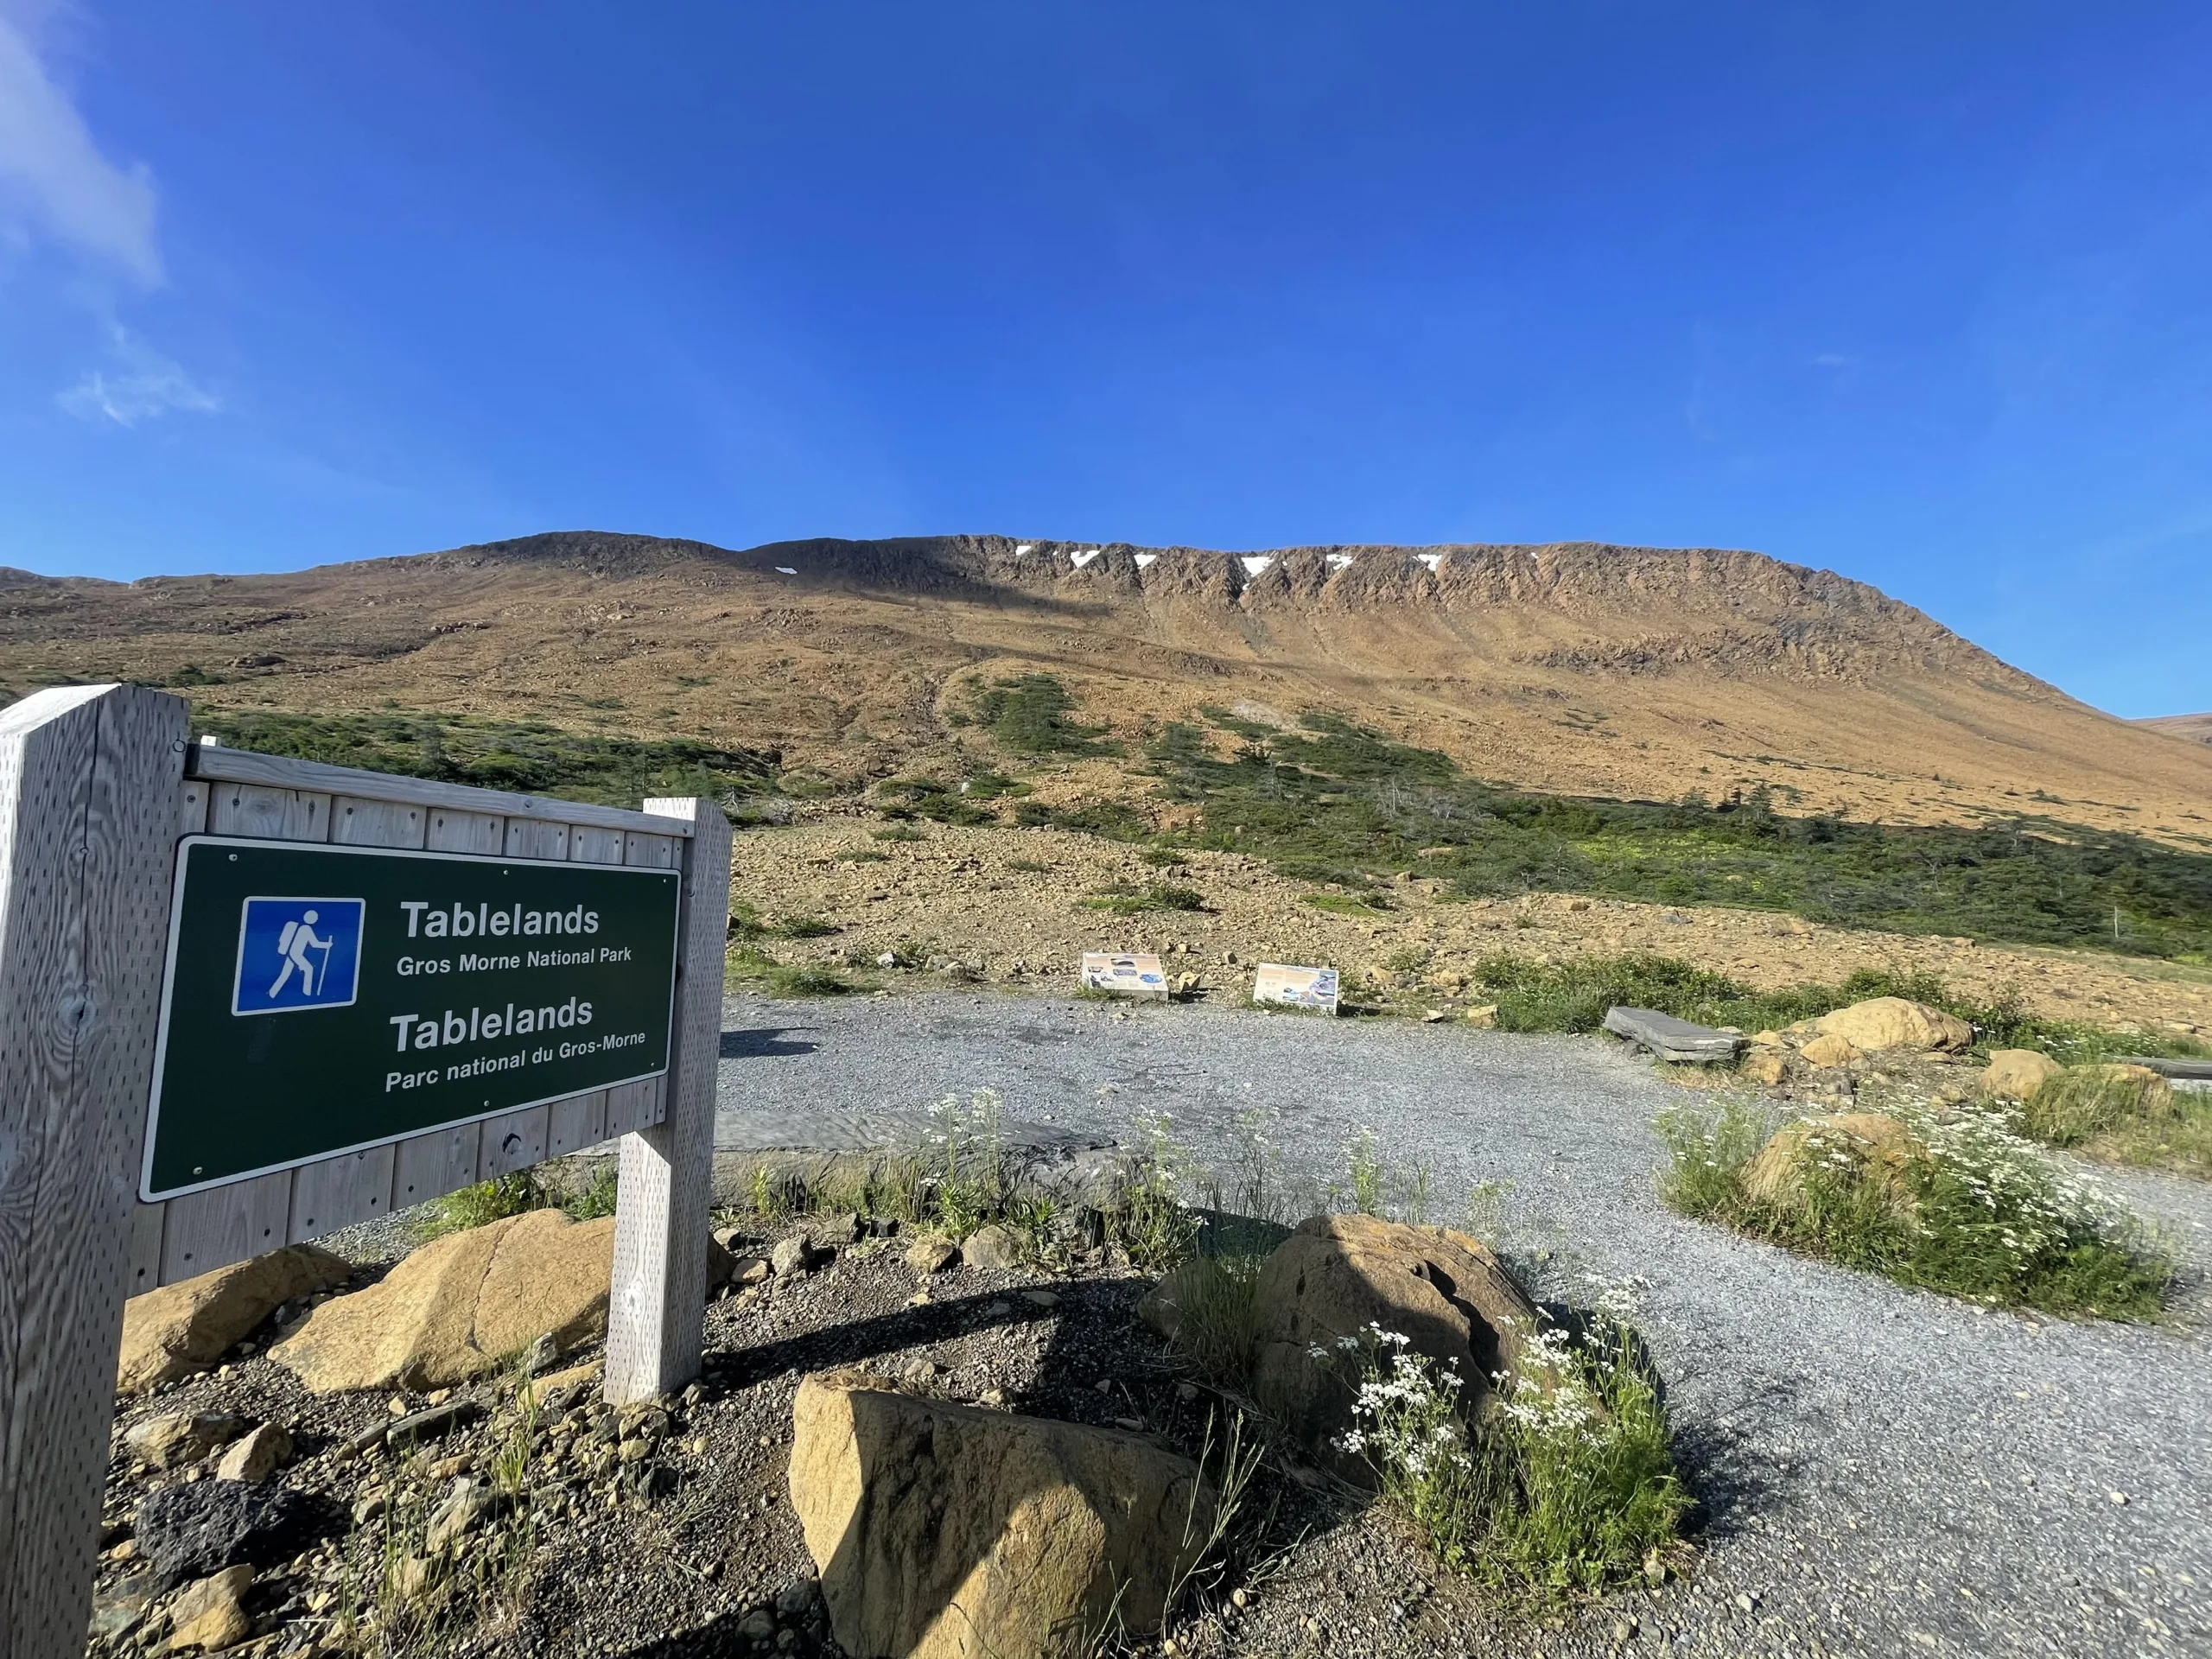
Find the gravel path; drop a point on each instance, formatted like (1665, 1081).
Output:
(1884, 1471)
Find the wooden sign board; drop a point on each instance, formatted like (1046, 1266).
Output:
(1296, 988)
(325, 1000)
(99, 788)
(1124, 973)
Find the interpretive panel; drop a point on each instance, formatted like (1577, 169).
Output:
(1124, 973)
(1297, 987)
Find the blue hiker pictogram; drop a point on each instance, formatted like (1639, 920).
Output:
(296, 954)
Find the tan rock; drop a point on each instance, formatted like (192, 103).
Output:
(1338, 1274)
(461, 1306)
(179, 1437)
(1764, 1065)
(257, 1457)
(995, 1248)
(186, 1327)
(1483, 1017)
(1892, 1022)
(534, 1393)
(2016, 1073)
(210, 1615)
(1831, 1051)
(943, 1531)
(931, 1253)
(1879, 1148)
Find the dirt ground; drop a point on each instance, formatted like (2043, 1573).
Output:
(713, 1562)
(971, 895)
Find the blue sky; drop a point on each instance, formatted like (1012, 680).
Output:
(1919, 293)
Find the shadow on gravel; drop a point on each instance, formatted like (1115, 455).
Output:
(763, 1042)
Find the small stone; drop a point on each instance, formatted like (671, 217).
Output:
(1624, 1630)
(417, 1576)
(995, 1398)
(2117, 1498)
(796, 1598)
(998, 1310)
(930, 1254)
(1240, 1598)
(180, 1437)
(208, 1615)
(759, 1625)
(993, 1249)
(370, 1508)
(1130, 1425)
(259, 1455)
(1044, 1298)
(437, 1396)
(790, 1256)
(1186, 1392)
(1484, 1017)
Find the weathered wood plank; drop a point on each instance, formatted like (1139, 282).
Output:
(658, 1293)
(339, 1192)
(651, 852)
(88, 821)
(358, 823)
(145, 1247)
(576, 1122)
(206, 1231)
(269, 814)
(529, 839)
(512, 1142)
(453, 830)
(632, 1106)
(1675, 1041)
(281, 772)
(589, 844)
(430, 1166)
(191, 807)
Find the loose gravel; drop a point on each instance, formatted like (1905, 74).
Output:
(1882, 1470)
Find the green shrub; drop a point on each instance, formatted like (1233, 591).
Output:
(804, 927)
(1568, 1484)
(597, 1198)
(2084, 1101)
(1345, 904)
(1123, 900)
(805, 979)
(530, 757)
(2116, 1114)
(862, 856)
(483, 1203)
(1966, 1207)
(898, 832)
(1029, 714)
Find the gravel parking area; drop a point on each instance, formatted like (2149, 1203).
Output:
(1883, 1471)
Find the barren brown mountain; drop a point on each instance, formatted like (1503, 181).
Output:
(2197, 728)
(1575, 667)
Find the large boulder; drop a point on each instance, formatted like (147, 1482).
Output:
(187, 1326)
(461, 1306)
(951, 1532)
(1339, 1274)
(1893, 1022)
(1878, 1148)
(2017, 1073)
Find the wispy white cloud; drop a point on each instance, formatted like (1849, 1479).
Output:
(142, 385)
(52, 174)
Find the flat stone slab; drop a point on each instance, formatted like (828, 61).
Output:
(1675, 1041)
(2180, 1070)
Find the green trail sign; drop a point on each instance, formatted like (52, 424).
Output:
(319, 1000)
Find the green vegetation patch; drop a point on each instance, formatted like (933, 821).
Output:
(1332, 801)
(1958, 1204)
(528, 757)
(2124, 1115)
(1033, 713)
(1123, 899)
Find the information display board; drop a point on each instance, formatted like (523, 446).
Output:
(1297, 987)
(318, 999)
(1124, 973)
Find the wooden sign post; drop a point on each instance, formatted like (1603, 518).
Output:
(99, 786)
